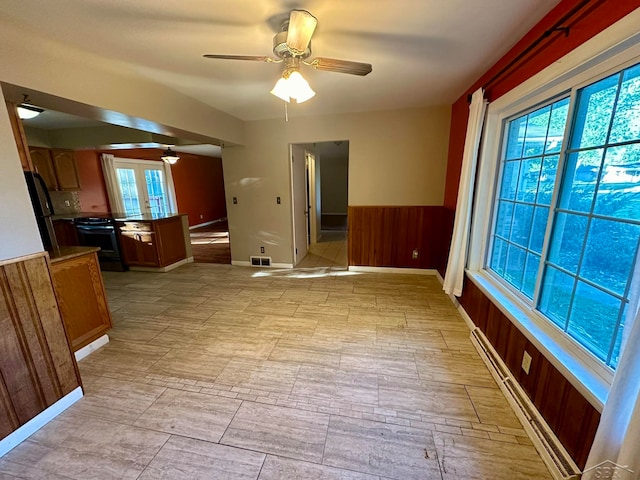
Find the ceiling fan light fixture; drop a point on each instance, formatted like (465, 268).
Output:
(281, 89)
(169, 156)
(299, 88)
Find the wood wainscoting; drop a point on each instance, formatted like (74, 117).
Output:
(572, 418)
(387, 236)
(37, 367)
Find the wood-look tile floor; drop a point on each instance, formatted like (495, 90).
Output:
(220, 372)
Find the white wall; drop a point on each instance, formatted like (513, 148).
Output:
(395, 158)
(18, 229)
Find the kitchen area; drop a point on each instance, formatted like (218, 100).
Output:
(81, 244)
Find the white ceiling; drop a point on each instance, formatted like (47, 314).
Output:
(423, 52)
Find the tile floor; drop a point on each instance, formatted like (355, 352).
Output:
(220, 372)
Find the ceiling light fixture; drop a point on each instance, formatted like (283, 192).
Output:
(292, 84)
(26, 110)
(169, 156)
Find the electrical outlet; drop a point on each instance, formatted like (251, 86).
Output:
(235, 200)
(67, 203)
(526, 362)
(414, 254)
(261, 249)
(278, 200)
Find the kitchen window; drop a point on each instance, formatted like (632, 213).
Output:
(565, 226)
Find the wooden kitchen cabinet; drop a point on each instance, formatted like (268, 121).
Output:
(152, 243)
(56, 166)
(81, 295)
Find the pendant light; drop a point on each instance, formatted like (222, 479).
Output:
(169, 156)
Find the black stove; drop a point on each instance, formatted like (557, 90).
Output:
(101, 232)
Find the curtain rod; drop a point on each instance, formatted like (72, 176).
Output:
(557, 27)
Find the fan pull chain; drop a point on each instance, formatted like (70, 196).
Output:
(286, 112)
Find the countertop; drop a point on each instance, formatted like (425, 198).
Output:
(118, 217)
(65, 253)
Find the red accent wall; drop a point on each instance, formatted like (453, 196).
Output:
(595, 17)
(198, 182)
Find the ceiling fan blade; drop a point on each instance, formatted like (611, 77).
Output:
(341, 66)
(255, 58)
(301, 27)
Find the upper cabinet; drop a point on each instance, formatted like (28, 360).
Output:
(56, 166)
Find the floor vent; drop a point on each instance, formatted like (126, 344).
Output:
(551, 450)
(260, 261)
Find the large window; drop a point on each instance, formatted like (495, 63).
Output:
(566, 223)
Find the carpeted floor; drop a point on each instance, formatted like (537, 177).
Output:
(210, 244)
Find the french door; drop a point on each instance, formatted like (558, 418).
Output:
(144, 188)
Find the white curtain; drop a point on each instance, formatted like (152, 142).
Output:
(111, 181)
(171, 191)
(460, 240)
(617, 442)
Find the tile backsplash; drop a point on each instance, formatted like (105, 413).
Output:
(65, 202)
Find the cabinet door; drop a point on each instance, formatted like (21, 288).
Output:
(82, 299)
(170, 239)
(43, 164)
(139, 249)
(64, 163)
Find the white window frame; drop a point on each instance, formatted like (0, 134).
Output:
(610, 51)
(120, 162)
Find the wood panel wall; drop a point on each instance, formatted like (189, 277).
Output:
(386, 236)
(37, 367)
(572, 418)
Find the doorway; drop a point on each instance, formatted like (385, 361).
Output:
(320, 206)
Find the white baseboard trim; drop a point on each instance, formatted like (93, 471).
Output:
(206, 224)
(243, 263)
(92, 347)
(36, 423)
(166, 269)
(411, 271)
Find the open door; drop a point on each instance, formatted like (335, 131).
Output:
(300, 210)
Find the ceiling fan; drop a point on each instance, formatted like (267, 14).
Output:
(292, 46)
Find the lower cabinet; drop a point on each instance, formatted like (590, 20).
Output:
(153, 243)
(81, 297)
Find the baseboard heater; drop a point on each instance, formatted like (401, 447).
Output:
(553, 453)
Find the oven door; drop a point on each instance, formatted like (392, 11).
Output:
(103, 236)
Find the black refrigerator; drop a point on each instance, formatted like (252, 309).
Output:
(42, 208)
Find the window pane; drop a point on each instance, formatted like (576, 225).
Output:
(515, 140)
(619, 189)
(503, 222)
(557, 122)
(155, 189)
(556, 295)
(609, 254)
(514, 269)
(499, 257)
(521, 227)
(580, 179)
(129, 191)
(615, 355)
(593, 317)
(547, 180)
(509, 180)
(566, 241)
(537, 125)
(626, 122)
(530, 275)
(540, 217)
(593, 114)
(528, 180)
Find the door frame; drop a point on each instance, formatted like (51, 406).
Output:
(296, 241)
